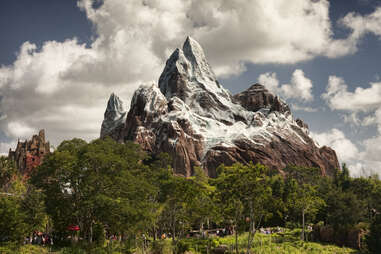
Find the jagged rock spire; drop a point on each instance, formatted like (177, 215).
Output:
(114, 105)
(114, 116)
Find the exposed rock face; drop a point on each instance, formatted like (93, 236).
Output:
(258, 98)
(114, 119)
(30, 154)
(193, 118)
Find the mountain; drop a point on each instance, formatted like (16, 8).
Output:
(114, 119)
(199, 123)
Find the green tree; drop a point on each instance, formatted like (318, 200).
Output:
(278, 204)
(304, 199)
(7, 172)
(373, 239)
(21, 208)
(13, 226)
(365, 190)
(33, 205)
(97, 183)
(179, 193)
(343, 209)
(202, 208)
(244, 190)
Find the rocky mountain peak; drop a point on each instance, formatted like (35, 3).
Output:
(114, 116)
(190, 116)
(196, 56)
(188, 76)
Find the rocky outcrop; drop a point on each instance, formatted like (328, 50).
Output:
(114, 119)
(30, 153)
(199, 123)
(258, 98)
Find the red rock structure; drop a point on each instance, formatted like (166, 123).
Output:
(30, 153)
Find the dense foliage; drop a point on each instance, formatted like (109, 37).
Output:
(22, 208)
(111, 190)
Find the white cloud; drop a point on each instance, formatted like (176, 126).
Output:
(36, 95)
(4, 147)
(364, 168)
(300, 87)
(270, 81)
(362, 160)
(373, 148)
(364, 24)
(345, 149)
(63, 87)
(19, 129)
(362, 107)
(298, 107)
(361, 99)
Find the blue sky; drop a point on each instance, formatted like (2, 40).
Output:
(60, 60)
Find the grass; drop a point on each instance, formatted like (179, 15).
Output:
(11, 248)
(287, 242)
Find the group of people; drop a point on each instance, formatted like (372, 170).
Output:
(224, 232)
(39, 238)
(268, 231)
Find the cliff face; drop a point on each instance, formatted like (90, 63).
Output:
(199, 123)
(30, 153)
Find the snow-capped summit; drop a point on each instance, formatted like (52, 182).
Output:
(114, 117)
(195, 54)
(199, 123)
(189, 77)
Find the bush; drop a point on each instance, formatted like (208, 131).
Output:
(13, 248)
(161, 247)
(195, 245)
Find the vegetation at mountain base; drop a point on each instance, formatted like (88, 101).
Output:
(107, 197)
(287, 242)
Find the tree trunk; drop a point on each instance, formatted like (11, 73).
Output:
(236, 238)
(251, 227)
(303, 230)
(173, 229)
(91, 233)
(252, 232)
(249, 239)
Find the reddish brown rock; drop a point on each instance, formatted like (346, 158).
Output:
(30, 153)
(257, 97)
(175, 137)
(277, 154)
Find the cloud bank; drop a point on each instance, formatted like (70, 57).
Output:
(361, 107)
